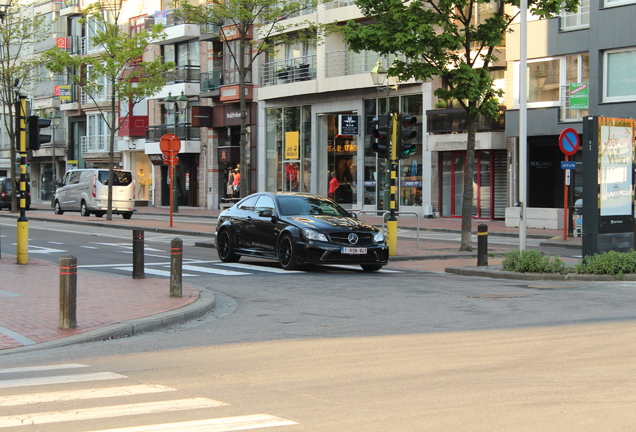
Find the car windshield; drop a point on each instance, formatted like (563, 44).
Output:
(302, 206)
(122, 178)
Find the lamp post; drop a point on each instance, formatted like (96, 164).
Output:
(4, 6)
(56, 118)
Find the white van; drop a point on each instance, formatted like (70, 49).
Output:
(86, 191)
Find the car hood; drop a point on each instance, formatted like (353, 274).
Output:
(323, 222)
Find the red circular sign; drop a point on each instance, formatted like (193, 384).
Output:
(170, 144)
(569, 141)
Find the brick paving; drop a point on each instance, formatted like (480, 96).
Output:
(29, 293)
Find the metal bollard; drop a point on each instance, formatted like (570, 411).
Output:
(176, 262)
(138, 254)
(68, 293)
(482, 245)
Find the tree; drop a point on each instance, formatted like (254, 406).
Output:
(19, 31)
(114, 69)
(448, 39)
(258, 26)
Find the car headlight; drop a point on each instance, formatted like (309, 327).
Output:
(378, 237)
(314, 235)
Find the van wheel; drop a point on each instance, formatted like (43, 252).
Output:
(127, 215)
(84, 210)
(58, 208)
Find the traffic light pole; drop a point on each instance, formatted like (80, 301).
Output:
(391, 224)
(23, 223)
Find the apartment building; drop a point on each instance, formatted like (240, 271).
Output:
(592, 49)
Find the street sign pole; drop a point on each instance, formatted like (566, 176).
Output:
(170, 145)
(565, 201)
(569, 143)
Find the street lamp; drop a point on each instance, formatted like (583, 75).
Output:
(4, 6)
(56, 119)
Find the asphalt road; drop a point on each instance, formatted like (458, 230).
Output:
(342, 350)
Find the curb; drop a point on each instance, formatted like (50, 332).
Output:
(201, 306)
(495, 272)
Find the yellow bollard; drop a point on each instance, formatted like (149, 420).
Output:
(23, 242)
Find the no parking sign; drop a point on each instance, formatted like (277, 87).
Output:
(569, 141)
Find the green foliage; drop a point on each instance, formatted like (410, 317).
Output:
(608, 263)
(532, 261)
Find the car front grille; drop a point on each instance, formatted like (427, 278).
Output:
(341, 238)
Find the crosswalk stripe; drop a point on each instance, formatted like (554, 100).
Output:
(61, 379)
(71, 395)
(259, 268)
(43, 368)
(152, 271)
(108, 412)
(211, 425)
(214, 271)
(356, 267)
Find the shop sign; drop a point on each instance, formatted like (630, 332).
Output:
(348, 146)
(292, 146)
(348, 124)
(579, 96)
(63, 92)
(202, 116)
(161, 17)
(228, 154)
(156, 159)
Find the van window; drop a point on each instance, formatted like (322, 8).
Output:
(73, 177)
(121, 178)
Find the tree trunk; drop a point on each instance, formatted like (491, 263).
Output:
(245, 187)
(466, 244)
(111, 151)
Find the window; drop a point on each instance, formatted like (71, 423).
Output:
(576, 20)
(544, 81)
(230, 63)
(610, 3)
(182, 54)
(619, 79)
(577, 68)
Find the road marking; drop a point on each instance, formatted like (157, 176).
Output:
(56, 243)
(71, 395)
(16, 336)
(259, 268)
(25, 382)
(358, 268)
(43, 368)
(126, 246)
(5, 293)
(152, 271)
(89, 247)
(41, 250)
(214, 271)
(212, 425)
(108, 412)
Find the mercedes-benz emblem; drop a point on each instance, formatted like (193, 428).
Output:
(353, 238)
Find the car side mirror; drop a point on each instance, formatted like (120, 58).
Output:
(353, 215)
(266, 213)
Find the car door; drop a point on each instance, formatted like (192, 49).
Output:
(265, 232)
(243, 222)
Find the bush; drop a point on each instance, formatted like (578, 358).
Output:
(532, 261)
(608, 263)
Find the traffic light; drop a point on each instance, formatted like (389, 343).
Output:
(380, 133)
(405, 122)
(34, 137)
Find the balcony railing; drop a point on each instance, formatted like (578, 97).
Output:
(94, 144)
(289, 70)
(345, 62)
(184, 131)
(454, 120)
(187, 73)
(103, 96)
(167, 18)
(334, 4)
(211, 81)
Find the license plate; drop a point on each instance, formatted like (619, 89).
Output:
(353, 251)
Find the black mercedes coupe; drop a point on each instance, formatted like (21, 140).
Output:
(297, 229)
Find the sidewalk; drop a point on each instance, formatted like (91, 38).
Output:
(106, 309)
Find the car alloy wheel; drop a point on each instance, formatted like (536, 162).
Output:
(225, 247)
(287, 253)
(84, 210)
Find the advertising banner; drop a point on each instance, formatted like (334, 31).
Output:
(615, 169)
(579, 96)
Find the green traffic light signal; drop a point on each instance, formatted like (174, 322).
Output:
(406, 135)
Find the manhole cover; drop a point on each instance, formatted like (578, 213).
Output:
(551, 287)
(497, 296)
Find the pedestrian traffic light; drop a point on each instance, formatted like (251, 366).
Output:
(34, 137)
(380, 134)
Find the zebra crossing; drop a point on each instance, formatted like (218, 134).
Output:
(99, 403)
(194, 268)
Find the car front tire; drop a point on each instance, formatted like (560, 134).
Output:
(58, 208)
(287, 253)
(225, 247)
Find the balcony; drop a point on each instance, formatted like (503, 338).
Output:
(455, 120)
(345, 62)
(289, 70)
(103, 98)
(177, 29)
(184, 131)
(94, 144)
(334, 4)
(186, 73)
(211, 81)
(209, 32)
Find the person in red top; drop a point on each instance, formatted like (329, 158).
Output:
(333, 185)
(237, 183)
